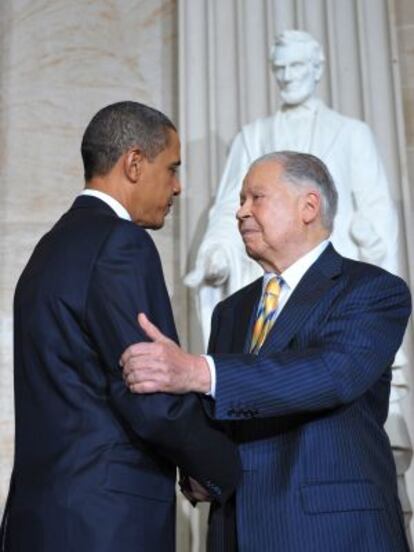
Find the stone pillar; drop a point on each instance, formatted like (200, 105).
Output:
(59, 63)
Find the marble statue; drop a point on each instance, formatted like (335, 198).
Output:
(366, 226)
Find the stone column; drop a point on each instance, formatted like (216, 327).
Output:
(60, 62)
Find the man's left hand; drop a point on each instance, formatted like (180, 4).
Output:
(162, 365)
(194, 491)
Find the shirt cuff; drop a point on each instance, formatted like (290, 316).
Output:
(212, 368)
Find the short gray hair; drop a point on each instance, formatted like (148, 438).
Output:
(304, 169)
(288, 37)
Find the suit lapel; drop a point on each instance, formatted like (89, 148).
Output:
(243, 317)
(318, 279)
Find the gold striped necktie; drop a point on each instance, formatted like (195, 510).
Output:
(265, 316)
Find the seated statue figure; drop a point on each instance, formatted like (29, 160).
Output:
(366, 226)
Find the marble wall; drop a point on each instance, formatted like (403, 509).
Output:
(59, 63)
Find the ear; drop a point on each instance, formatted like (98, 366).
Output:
(311, 206)
(132, 164)
(319, 67)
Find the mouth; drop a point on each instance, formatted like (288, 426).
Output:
(291, 88)
(245, 232)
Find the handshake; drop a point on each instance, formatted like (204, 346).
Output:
(162, 366)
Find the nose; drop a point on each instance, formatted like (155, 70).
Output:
(176, 186)
(243, 211)
(287, 73)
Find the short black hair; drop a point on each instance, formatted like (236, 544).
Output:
(119, 127)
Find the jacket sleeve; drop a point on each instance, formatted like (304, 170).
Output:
(127, 279)
(336, 363)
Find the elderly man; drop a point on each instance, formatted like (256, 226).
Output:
(94, 465)
(299, 374)
(366, 225)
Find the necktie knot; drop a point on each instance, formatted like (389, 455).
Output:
(273, 287)
(271, 295)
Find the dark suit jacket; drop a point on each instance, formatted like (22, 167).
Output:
(95, 465)
(308, 412)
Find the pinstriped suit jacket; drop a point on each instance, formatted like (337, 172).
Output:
(308, 413)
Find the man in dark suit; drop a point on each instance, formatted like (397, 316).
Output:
(300, 375)
(95, 465)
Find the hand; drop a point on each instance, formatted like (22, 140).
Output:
(371, 246)
(212, 266)
(217, 268)
(194, 491)
(162, 365)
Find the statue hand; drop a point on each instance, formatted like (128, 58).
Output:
(211, 267)
(217, 268)
(371, 247)
(194, 278)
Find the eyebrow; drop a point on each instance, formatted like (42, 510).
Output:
(254, 188)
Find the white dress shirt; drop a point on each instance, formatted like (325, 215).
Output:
(109, 200)
(298, 124)
(289, 279)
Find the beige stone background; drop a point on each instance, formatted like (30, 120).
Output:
(60, 61)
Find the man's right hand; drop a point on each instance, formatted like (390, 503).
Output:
(162, 366)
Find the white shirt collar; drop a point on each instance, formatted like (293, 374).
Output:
(109, 200)
(294, 273)
(307, 108)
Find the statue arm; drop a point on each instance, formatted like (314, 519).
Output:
(221, 243)
(375, 222)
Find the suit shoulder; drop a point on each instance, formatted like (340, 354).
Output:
(126, 233)
(374, 276)
(102, 237)
(234, 298)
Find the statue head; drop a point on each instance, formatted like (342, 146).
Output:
(297, 61)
